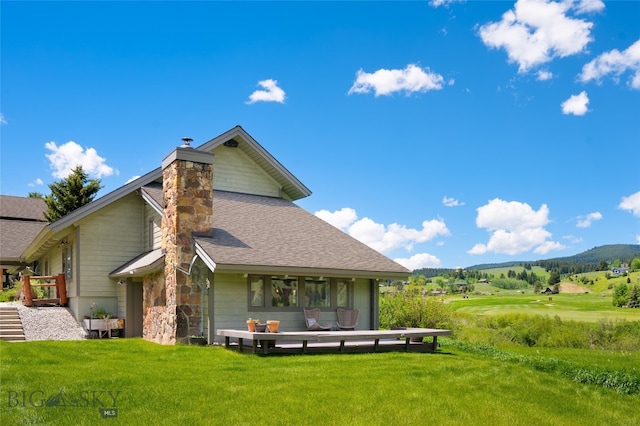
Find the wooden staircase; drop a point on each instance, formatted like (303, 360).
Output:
(10, 324)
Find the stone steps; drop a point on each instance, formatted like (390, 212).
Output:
(10, 324)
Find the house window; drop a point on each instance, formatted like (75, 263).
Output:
(67, 261)
(282, 292)
(256, 284)
(317, 292)
(344, 292)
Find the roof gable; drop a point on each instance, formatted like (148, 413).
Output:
(238, 138)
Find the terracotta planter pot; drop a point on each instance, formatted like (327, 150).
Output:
(251, 325)
(273, 325)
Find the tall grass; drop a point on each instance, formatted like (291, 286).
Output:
(544, 331)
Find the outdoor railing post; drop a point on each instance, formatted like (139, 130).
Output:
(26, 290)
(61, 289)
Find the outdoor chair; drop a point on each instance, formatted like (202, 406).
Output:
(312, 320)
(348, 318)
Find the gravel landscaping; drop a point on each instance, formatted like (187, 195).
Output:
(48, 323)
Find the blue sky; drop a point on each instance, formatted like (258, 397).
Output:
(440, 133)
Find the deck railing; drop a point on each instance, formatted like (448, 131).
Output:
(59, 284)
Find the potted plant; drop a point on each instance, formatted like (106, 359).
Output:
(261, 327)
(251, 324)
(99, 319)
(272, 326)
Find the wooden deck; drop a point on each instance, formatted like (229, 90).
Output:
(410, 339)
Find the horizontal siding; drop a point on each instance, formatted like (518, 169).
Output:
(109, 238)
(362, 301)
(121, 293)
(234, 171)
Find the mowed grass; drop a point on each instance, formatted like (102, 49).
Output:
(578, 307)
(211, 385)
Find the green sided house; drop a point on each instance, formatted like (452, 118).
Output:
(206, 241)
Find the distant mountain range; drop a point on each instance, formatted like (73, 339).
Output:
(623, 252)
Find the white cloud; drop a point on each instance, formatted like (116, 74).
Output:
(572, 239)
(451, 202)
(544, 75)
(638, 238)
(536, 31)
(548, 246)
(64, 158)
(132, 179)
(418, 261)
(586, 221)
(588, 6)
(37, 182)
(576, 104)
(445, 3)
(380, 237)
(631, 203)
(341, 219)
(515, 228)
(272, 93)
(616, 63)
(385, 82)
(3, 120)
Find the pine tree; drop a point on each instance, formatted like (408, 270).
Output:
(634, 298)
(70, 193)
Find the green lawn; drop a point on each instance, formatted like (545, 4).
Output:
(578, 307)
(158, 385)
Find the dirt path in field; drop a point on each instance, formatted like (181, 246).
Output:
(567, 287)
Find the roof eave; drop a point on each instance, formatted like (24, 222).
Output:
(304, 271)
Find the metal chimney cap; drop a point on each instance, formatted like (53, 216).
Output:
(187, 142)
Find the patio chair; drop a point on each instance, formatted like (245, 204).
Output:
(348, 318)
(312, 320)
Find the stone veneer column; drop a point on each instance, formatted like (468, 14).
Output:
(187, 180)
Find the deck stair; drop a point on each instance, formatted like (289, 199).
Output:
(10, 324)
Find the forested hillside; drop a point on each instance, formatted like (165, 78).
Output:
(587, 261)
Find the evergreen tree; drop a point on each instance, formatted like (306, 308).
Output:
(554, 277)
(634, 298)
(70, 193)
(603, 265)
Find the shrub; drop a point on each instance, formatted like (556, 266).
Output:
(509, 283)
(620, 295)
(12, 294)
(411, 309)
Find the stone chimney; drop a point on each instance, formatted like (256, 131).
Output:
(187, 183)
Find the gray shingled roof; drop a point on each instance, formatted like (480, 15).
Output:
(256, 231)
(21, 219)
(271, 233)
(24, 208)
